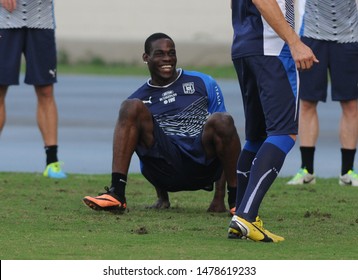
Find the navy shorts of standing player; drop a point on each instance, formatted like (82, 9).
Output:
(177, 124)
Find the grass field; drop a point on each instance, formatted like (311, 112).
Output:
(46, 219)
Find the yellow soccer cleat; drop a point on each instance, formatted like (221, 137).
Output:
(242, 229)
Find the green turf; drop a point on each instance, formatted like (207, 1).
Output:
(43, 218)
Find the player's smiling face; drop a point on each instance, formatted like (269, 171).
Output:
(162, 62)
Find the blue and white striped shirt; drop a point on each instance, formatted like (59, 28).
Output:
(29, 13)
(331, 20)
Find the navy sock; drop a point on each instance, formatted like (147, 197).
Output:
(244, 163)
(264, 171)
(243, 174)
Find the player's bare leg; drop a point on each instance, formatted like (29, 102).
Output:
(220, 139)
(47, 117)
(3, 90)
(218, 202)
(163, 199)
(348, 131)
(134, 126)
(309, 124)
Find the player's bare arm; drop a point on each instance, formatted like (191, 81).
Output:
(9, 5)
(271, 12)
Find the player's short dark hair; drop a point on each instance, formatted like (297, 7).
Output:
(152, 38)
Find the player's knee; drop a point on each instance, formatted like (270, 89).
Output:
(223, 123)
(131, 108)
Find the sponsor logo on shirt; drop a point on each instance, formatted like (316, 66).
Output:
(168, 97)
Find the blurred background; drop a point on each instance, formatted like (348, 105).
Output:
(115, 30)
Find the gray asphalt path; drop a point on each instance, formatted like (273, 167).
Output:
(88, 107)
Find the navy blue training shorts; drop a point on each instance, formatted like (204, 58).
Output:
(167, 167)
(269, 92)
(340, 61)
(39, 49)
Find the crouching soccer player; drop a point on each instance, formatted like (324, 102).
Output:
(178, 126)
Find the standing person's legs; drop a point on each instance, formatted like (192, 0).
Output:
(348, 135)
(313, 88)
(308, 134)
(41, 62)
(348, 132)
(47, 116)
(3, 90)
(278, 98)
(254, 114)
(281, 123)
(344, 80)
(47, 120)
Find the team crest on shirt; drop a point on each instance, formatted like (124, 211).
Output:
(189, 88)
